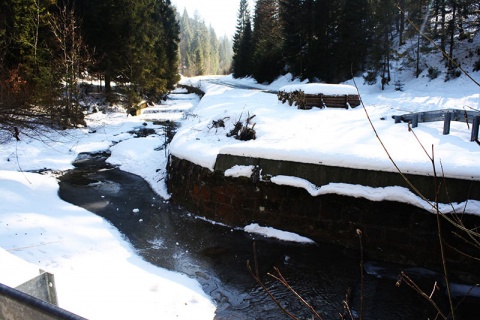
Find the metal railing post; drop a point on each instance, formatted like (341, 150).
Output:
(476, 122)
(446, 123)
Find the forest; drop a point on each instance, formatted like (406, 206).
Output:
(201, 51)
(48, 46)
(333, 40)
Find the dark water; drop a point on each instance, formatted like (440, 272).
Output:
(216, 255)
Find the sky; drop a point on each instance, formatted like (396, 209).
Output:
(221, 14)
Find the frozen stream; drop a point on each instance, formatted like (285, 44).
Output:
(216, 255)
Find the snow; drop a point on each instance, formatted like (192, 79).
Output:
(239, 171)
(394, 193)
(99, 275)
(274, 233)
(321, 88)
(142, 157)
(337, 137)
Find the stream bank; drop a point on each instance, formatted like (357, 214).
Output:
(171, 237)
(392, 231)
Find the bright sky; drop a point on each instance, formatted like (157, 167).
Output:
(221, 14)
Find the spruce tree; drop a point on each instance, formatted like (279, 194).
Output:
(214, 54)
(135, 42)
(225, 53)
(200, 49)
(295, 22)
(352, 41)
(267, 62)
(242, 42)
(186, 38)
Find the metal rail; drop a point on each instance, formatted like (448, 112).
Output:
(19, 305)
(447, 115)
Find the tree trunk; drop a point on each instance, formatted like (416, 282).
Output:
(442, 29)
(452, 34)
(108, 79)
(402, 20)
(418, 57)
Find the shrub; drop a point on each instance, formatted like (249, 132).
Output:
(476, 66)
(433, 73)
(370, 77)
(453, 74)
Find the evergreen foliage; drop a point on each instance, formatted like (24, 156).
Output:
(267, 60)
(201, 51)
(46, 46)
(135, 42)
(331, 40)
(242, 42)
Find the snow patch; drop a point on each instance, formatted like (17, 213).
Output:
(395, 193)
(321, 88)
(277, 234)
(239, 171)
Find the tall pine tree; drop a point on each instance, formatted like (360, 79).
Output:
(200, 49)
(135, 42)
(242, 42)
(267, 60)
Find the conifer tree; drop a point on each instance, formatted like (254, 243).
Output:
(295, 23)
(353, 38)
(170, 40)
(267, 62)
(200, 49)
(29, 83)
(186, 38)
(382, 13)
(225, 53)
(214, 54)
(135, 42)
(242, 42)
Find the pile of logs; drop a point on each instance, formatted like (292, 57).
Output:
(307, 101)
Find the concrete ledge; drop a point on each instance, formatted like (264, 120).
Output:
(320, 175)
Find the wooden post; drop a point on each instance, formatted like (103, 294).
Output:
(476, 122)
(446, 123)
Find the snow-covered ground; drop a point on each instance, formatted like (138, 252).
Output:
(339, 137)
(99, 275)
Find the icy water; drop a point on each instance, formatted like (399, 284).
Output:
(217, 255)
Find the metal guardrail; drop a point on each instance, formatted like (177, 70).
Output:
(447, 115)
(18, 305)
(41, 287)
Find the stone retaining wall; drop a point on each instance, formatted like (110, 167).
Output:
(392, 231)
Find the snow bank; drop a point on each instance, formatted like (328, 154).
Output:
(96, 272)
(394, 193)
(239, 171)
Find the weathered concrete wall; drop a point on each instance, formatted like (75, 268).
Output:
(451, 190)
(392, 231)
